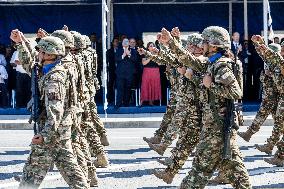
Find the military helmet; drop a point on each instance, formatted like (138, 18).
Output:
(195, 39)
(79, 40)
(88, 41)
(52, 45)
(217, 36)
(65, 36)
(275, 47)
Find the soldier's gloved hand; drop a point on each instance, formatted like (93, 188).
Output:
(16, 36)
(189, 73)
(165, 36)
(41, 33)
(175, 32)
(207, 80)
(65, 28)
(141, 51)
(37, 139)
(155, 50)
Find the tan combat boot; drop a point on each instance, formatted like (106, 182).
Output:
(275, 161)
(165, 176)
(159, 148)
(104, 140)
(101, 161)
(153, 140)
(93, 179)
(219, 179)
(246, 135)
(266, 148)
(166, 161)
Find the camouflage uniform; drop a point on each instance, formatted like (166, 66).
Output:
(56, 121)
(276, 60)
(79, 142)
(268, 105)
(93, 85)
(87, 124)
(164, 58)
(190, 122)
(209, 150)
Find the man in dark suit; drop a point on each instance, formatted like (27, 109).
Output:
(236, 46)
(125, 59)
(111, 66)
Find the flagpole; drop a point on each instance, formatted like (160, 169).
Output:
(265, 21)
(104, 36)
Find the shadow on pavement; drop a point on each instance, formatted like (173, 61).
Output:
(128, 161)
(263, 170)
(130, 151)
(126, 174)
(278, 186)
(159, 187)
(255, 157)
(13, 162)
(4, 176)
(15, 152)
(247, 147)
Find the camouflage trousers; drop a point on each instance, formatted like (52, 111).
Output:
(189, 136)
(268, 104)
(82, 151)
(40, 159)
(167, 118)
(208, 158)
(91, 133)
(99, 125)
(278, 128)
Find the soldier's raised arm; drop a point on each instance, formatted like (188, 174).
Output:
(183, 56)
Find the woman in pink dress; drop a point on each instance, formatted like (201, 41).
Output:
(151, 83)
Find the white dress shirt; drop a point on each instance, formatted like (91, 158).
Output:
(3, 60)
(3, 74)
(15, 57)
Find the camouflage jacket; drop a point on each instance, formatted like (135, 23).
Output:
(275, 63)
(224, 85)
(90, 65)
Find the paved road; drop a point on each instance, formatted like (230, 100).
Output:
(131, 162)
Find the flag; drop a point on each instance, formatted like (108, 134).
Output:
(269, 22)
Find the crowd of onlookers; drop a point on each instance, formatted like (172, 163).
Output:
(132, 79)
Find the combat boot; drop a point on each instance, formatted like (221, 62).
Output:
(93, 180)
(101, 160)
(159, 148)
(219, 179)
(153, 140)
(246, 135)
(166, 161)
(266, 148)
(104, 140)
(275, 161)
(165, 176)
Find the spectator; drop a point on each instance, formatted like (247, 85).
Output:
(23, 83)
(110, 56)
(2, 55)
(93, 38)
(138, 64)
(125, 59)
(151, 83)
(3, 89)
(236, 46)
(276, 40)
(246, 67)
(140, 43)
(11, 69)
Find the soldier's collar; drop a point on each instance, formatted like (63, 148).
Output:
(215, 57)
(48, 67)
